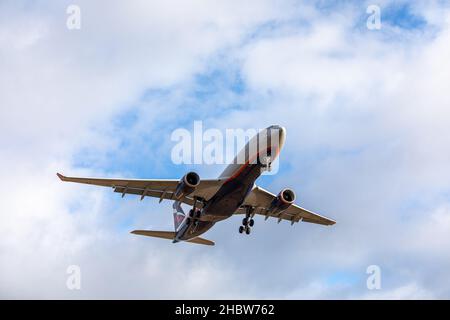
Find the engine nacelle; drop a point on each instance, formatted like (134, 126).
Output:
(187, 184)
(283, 200)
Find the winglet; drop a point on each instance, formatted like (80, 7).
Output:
(63, 178)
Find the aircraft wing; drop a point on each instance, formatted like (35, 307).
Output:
(157, 188)
(260, 199)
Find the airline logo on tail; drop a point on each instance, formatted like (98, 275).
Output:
(178, 214)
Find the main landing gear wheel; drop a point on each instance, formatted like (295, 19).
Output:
(247, 222)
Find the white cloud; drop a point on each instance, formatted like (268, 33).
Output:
(409, 291)
(378, 109)
(59, 92)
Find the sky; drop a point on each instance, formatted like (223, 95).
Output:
(367, 114)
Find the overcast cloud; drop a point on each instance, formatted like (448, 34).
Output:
(368, 135)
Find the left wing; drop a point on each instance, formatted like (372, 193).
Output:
(260, 199)
(162, 188)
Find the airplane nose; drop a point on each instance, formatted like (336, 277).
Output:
(282, 134)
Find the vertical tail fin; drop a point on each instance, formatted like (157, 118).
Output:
(178, 214)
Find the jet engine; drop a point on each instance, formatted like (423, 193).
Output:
(187, 184)
(284, 199)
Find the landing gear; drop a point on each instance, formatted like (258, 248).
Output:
(194, 217)
(247, 222)
(247, 229)
(191, 218)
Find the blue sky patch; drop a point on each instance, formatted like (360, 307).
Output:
(402, 16)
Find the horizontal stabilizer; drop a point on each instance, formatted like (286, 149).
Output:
(199, 240)
(158, 234)
(171, 235)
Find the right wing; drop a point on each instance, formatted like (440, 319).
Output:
(157, 188)
(260, 199)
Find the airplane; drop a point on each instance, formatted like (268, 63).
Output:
(213, 200)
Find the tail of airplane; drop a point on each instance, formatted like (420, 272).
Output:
(178, 217)
(178, 214)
